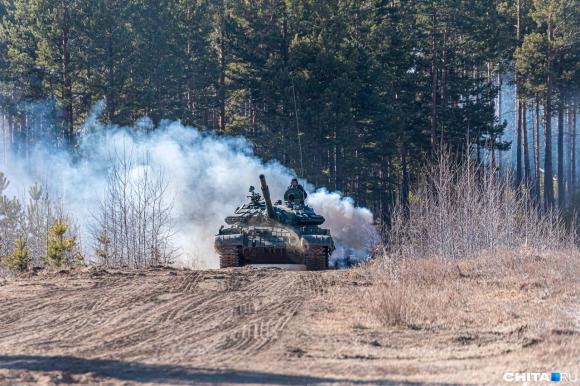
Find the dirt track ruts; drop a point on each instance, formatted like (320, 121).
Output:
(241, 326)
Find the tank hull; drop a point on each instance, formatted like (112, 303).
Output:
(273, 245)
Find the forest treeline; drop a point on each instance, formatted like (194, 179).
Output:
(353, 95)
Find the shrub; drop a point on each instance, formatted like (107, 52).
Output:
(41, 212)
(25, 231)
(133, 223)
(461, 209)
(11, 219)
(102, 248)
(18, 259)
(465, 227)
(60, 247)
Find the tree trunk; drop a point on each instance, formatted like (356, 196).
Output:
(405, 177)
(535, 164)
(537, 183)
(66, 91)
(433, 117)
(548, 179)
(222, 79)
(285, 40)
(499, 100)
(189, 51)
(338, 162)
(572, 130)
(4, 138)
(111, 106)
(561, 179)
(519, 107)
(10, 130)
(443, 71)
(527, 169)
(518, 180)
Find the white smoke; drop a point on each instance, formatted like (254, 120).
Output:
(351, 226)
(208, 177)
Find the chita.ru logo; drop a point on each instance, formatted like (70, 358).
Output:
(540, 377)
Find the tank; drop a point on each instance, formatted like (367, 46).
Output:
(284, 232)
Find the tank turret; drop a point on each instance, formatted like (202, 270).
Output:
(267, 199)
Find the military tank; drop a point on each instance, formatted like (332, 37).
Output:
(287, 232)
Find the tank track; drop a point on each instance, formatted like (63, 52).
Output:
(230, 257)
(316, 259)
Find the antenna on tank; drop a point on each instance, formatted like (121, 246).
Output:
(297, 129)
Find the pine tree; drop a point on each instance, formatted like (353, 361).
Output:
(18, 259)
(103, 248)
(538, 62)
(106, 59)
(39, 216)
(60, 247)
(11, 219)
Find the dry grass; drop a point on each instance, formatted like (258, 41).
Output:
(481, 291)
(521, 305)
(470, 253)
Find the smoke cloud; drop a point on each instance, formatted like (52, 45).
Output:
(351, 226)
(208, 177)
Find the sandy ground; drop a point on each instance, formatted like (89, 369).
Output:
(246, 326)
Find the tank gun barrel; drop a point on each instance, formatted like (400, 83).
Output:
(266, 193)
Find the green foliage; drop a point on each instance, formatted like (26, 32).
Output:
(532, 63)
(26, 236)
(60, 247)
(552, 49)
(18, 259)
(11, 221)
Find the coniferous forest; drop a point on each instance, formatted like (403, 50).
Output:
(356, 96)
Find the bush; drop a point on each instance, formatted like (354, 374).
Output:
(26, 238)
(18, 260)
(60, 248)
(466, 227)
(482, 291)
(461, 209)
(11, 216)
(133, 223)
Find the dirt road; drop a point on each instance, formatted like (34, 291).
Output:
(244, 326)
